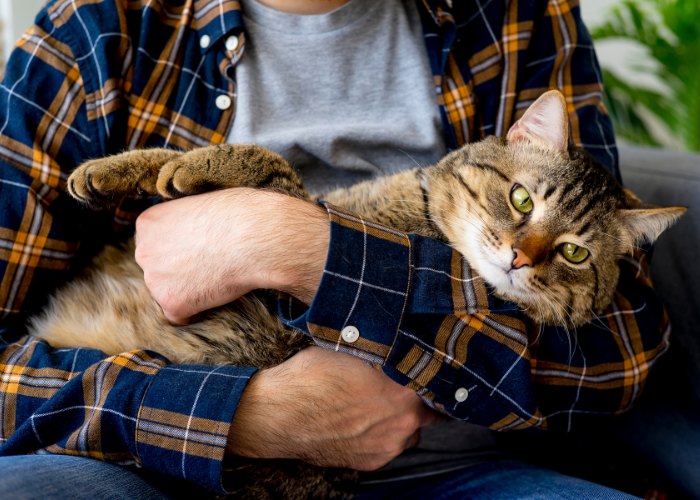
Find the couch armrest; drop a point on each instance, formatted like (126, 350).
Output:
(670, 178)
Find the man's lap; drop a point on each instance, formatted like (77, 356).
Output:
(502, 479)
(58, 476)
(61, 476)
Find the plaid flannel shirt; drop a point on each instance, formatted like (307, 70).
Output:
(94, 77)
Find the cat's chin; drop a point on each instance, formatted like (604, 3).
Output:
(505, 282)
(497, 276)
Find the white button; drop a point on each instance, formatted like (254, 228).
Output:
(350, 334)
(461, 394)
(232, 43)
(223, 102)
(204, 41)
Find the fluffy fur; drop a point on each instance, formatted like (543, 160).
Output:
(467, 199)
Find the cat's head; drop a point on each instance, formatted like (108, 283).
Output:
(542, 222)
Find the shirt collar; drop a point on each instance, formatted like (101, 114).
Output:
(219, 18)
(440, 11)
(216, 19)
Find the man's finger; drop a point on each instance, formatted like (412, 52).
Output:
(412, 440)
(430, 417)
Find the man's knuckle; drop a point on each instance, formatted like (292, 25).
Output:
(174, 308)
(373, 463)
(413, 421)
(139, 254)
(390, 448)
(148, 280)
(407, 424)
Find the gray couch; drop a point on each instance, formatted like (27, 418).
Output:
(665, 428)
(666, 178)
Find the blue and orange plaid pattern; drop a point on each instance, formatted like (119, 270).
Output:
(95, 77)
(431, 323)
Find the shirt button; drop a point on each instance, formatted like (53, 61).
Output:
(461, 394)
(350, 334)
(232, 43)
(204, 41)
(223, 102)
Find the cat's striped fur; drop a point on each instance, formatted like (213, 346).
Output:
(467, 199)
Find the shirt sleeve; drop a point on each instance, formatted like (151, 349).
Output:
(414, 306)
(556, 51)
(134, 407)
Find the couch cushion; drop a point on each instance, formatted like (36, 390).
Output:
(669, 178)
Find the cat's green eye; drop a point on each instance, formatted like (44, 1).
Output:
(521, 200)
(573, 253)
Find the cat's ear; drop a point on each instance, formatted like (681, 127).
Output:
(644, 225)
(632, 201)
(544, 124)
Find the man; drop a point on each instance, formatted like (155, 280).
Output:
(96, 77)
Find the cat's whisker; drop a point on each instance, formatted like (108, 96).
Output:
(561, 311)
(415, 162)
(459, 214)
(538, 316)
(597, 319)
(622, 242)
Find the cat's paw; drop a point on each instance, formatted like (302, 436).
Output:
(180, 178)
(226, 166)
(197, 171)
(98, 184)
(104, 182)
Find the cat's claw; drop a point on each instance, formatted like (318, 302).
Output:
(184, 176)
(171, 190)
(89, 189)
(104, 182)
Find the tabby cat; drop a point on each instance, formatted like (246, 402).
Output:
(539, 220)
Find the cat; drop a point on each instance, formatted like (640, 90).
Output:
(538, 219)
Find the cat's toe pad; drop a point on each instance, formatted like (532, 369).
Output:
(91, 185)
(180, 178)
(105, 182)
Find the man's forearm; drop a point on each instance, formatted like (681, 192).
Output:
(229, 243)
(417, 308)
(132, 408)
(328, 409)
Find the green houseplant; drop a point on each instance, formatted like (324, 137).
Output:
(669, 31)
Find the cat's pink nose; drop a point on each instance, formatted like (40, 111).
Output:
(520, 259)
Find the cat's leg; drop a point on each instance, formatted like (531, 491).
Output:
(399, 201)
(104, 182)
(226, 166)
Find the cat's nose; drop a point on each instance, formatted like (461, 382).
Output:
(520, 259)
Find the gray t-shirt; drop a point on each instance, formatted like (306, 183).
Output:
(344, 96)
(347, 96)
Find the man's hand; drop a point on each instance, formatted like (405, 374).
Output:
(324, 407)
(329, 409)
(204, 251)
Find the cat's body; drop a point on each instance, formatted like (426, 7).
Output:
(510, 207)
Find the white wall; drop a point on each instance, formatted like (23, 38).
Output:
(593, 11)
(17, 16)
(630, 62)
(623, 57)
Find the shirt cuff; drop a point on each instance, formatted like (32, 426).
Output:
(363, 292)
(184, 421)
(397, 300)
